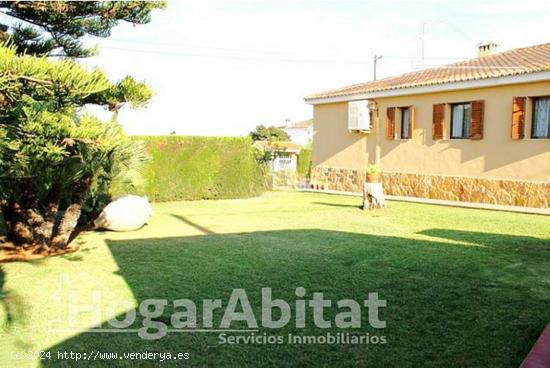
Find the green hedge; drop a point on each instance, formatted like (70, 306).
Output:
(304, 163)
(190, 168)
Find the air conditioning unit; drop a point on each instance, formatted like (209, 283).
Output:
(358, 116)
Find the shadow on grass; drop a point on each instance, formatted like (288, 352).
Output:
(14, 310)
(3, 295)
(201, 228)
(490, 239)
(448, 304)
(5, 302)
(341, 205)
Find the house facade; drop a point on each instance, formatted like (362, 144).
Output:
(475, 131)
(300, 132)
(283, 155)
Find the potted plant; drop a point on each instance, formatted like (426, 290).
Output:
(373, 174)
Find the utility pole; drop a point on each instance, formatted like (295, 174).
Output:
(376, 58)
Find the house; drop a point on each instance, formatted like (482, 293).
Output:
(283, 155)
(475, 131)
(300, 132)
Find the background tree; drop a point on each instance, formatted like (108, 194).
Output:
(57, 27)
(271, 133)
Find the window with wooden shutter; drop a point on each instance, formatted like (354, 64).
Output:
(518, 117)
(541, 118)
(407, 122)
(390, 125)
(476, 130)
(438, 121)
(461, 120)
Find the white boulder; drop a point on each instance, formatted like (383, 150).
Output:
(126, 213)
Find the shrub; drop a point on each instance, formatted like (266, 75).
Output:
(191, 168)
(304, 163)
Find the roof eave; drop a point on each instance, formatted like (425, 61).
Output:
(455, 86)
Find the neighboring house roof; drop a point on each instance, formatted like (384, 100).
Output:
(301, 124)
(278, 146)
(514, 62)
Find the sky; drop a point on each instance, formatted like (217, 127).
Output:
(221, 67)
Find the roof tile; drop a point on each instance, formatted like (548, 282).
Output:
(513, 62)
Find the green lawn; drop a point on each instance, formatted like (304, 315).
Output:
(464, 288)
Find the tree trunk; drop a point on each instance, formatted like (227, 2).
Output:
(72, 213)
(44, 230)
(373, 196)
(18, 230)
(27, 211)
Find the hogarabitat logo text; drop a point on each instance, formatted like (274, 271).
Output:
(339, 338)
(185, 316)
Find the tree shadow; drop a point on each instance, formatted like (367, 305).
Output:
(357, 206)
(448, 304)
(13, 306)
(524, 249)
(9, 319)
(2, 225)
(201, 228)
(489, 239)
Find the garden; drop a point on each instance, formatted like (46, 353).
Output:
(463, 287)
(318, 281)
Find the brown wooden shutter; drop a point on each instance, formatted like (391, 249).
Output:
(476, 129)
(438, 121)
(412, 120)
(518, 117)
(390, 128)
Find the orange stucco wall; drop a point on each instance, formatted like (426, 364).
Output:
(333, 145)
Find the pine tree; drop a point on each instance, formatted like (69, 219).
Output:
(49, 152)
(57, 27)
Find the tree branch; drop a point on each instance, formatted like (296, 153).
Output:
(35, 80)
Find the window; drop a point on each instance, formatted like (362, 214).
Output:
(461, 116)
(541, 118)
(405, 123)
